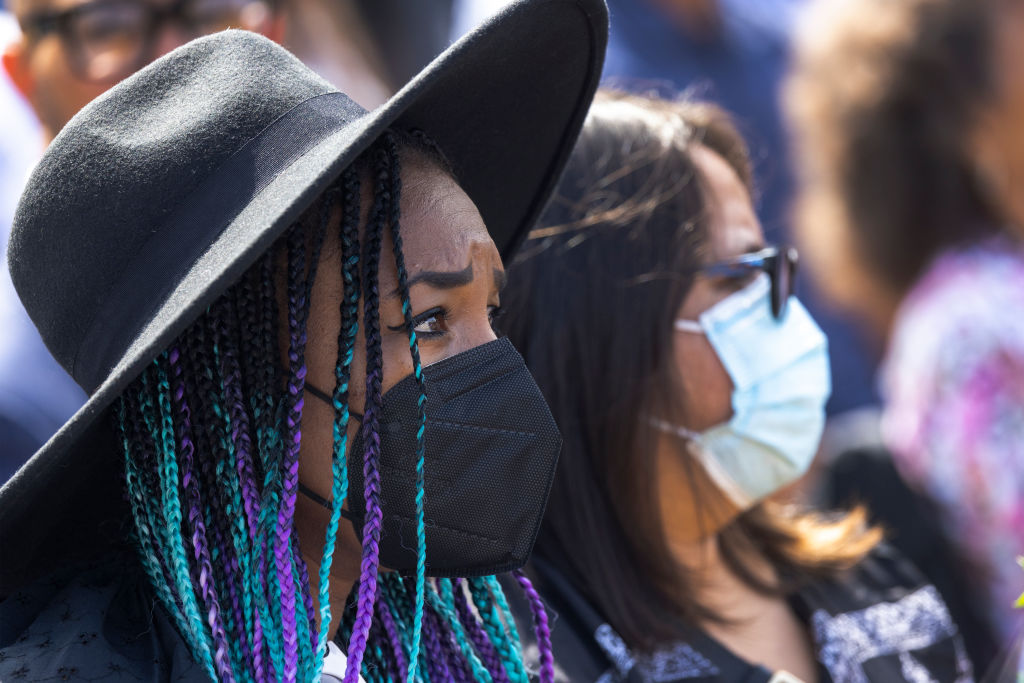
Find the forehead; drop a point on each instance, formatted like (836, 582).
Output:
(735, 228)
(21, 8)
(441, 228)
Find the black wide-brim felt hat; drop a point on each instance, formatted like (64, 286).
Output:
(159, 194)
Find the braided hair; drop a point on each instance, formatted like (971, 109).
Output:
(210, 433)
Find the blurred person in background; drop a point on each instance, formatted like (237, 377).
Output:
(735, 53)
(909, 122)
(409, 33)
(36, 395)
(334, 38)
(689, 386)
(70, 53)
(65, 55)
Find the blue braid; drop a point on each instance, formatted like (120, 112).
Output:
(506, 611)
(349, 234)
(444, 605)
(199, 640)
(394, 174)
(144, 523)
(512, 660)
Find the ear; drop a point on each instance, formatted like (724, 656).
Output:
(15, 61)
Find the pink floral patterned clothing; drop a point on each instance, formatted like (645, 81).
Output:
(953, 381)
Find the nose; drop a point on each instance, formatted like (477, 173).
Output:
(478, 333)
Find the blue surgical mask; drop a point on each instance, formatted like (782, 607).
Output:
(781, 381)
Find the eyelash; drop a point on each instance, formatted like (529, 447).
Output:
(441, 314)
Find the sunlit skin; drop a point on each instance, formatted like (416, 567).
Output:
(997, 142)
(446, 243)
(706, 390)
(760, 629)
(40, 70)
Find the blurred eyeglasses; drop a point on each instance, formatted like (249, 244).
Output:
(780, 262)
(108, 40)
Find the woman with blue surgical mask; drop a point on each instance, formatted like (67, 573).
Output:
(689, 384)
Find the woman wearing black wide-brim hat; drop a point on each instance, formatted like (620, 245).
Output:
(305, 453)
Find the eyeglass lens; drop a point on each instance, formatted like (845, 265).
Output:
(783, 272)
(115, 38)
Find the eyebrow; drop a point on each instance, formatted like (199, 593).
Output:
(440, 279)
(450, 279)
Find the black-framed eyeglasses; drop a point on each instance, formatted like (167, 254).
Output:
(780, 262)
(108, 40)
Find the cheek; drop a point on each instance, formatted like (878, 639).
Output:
(707, 389)
(397, 360)
(58, 94)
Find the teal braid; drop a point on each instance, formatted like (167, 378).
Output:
(172, 398)
(270, 608)
(200, 640)
(143, 524)
(506, 612)
(226, 493)
(242, 478)
(147, 412)
(350, 249)
(393, 174)
(305, 625)
(444, 604)
(395, 594)
(482, 598)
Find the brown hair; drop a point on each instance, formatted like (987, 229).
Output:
(883, 99)
(590, 305)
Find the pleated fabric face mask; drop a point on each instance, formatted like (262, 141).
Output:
(781, 382)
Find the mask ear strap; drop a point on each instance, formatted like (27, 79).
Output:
(322, 396)
(320, 500)
(305, 490)
(679, 430)
(689, 326)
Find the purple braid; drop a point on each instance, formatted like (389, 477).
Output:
(371, 539)
(540, 626)
(231, 372)
(377, 658)
(481, 641)
(387, 620)
(367, 592)
(221, 519)
(437, 658)
(458, 664)
(293, 437)
(222, 656)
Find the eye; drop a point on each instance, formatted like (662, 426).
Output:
(736, 279)
(432, 323)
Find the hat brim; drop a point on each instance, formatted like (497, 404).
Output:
(505, 104)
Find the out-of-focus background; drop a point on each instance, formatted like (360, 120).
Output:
(734, 52)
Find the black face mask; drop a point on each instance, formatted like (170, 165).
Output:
(491, 451)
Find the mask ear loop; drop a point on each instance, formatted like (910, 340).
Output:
(325, 398)
(696, 446)
(691, 326)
